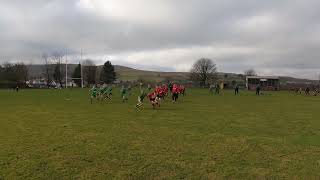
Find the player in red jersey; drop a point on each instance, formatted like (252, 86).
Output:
(160, 92)
(165, 89)
(153, 99)
(182, 90)
(175, 92)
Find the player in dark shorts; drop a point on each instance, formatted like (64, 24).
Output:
(105, 93)
(124, 94)
(236, 90)
(258, 90)
(175, 93)
(158, 91)
(217, 89)
(154, 100)
(170, 86)
(307, 91)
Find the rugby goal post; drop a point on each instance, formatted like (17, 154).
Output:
(81, 74)
(81, 77)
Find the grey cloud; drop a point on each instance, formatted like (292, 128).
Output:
(282, 34)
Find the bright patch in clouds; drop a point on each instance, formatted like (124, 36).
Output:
(134, 11)
(257, 23)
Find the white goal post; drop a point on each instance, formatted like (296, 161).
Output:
(81, 78)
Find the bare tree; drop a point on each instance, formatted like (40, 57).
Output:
(250, 72)
(22, 73)
(8, 72)
(203, 71)
(47, 69)
(58, 74)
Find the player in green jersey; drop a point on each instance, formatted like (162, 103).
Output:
(94, 93)
(124, 94)
(143, 94)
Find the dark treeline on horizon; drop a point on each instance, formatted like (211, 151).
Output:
(54, 72)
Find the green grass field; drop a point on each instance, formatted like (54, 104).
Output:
(58, 134)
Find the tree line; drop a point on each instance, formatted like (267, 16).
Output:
(12, 75)
(55, 71)
(17, 74)
(203, 72)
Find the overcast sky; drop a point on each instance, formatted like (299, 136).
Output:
(274, 37)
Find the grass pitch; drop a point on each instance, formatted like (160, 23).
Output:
(58, 134)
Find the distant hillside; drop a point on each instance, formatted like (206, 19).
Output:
(123, 73)
(131, 74)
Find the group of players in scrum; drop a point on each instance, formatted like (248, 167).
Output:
(155, 95)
